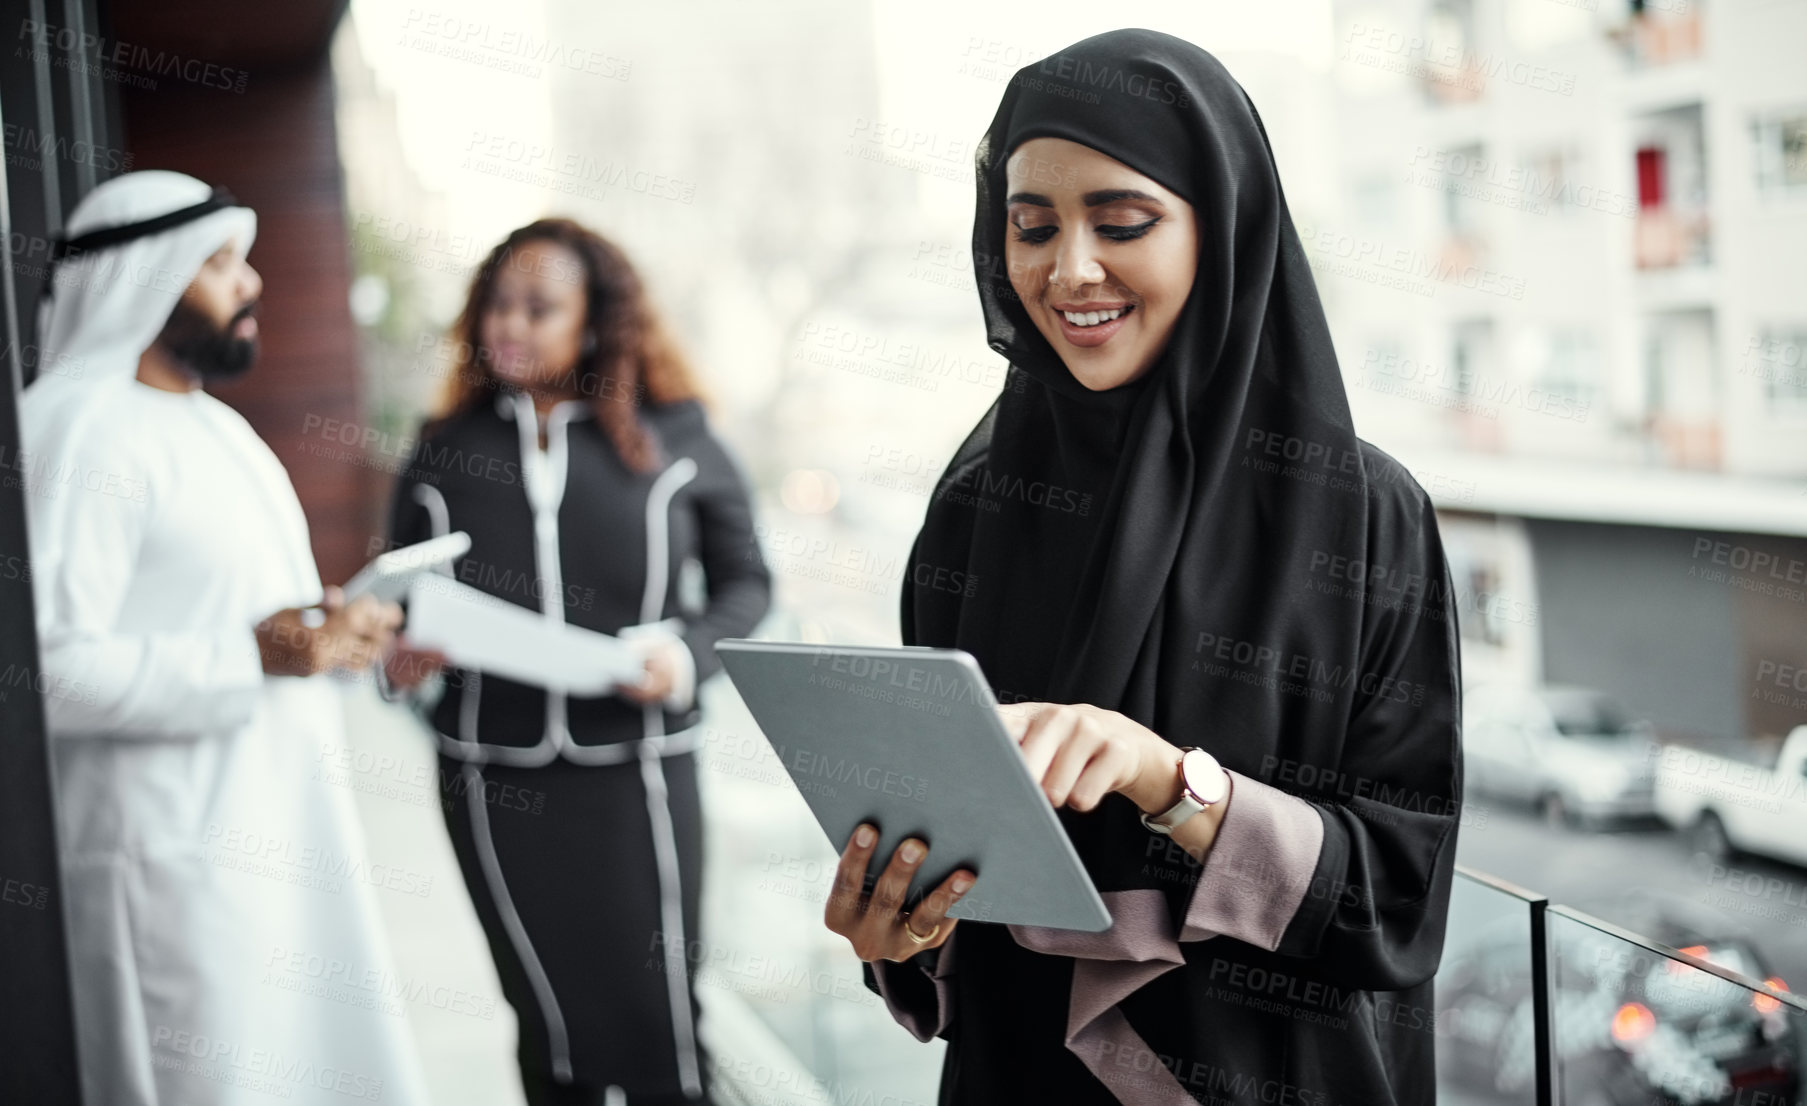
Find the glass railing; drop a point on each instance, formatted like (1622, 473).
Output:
(1537, 1005)
(1489, 988)
(1635, 1020)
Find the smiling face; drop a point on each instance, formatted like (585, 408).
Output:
(1101, 256)
(532, 327)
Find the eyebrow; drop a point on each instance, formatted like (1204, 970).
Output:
(1091, 199)
(1112, 195)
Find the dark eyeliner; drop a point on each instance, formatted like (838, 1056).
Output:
(1128, 234)
(1035, 236)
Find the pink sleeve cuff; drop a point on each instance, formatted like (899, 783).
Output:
(1259, 866)
(901, 985)
(1250, 886)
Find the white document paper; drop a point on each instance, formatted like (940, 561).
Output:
(476, 630)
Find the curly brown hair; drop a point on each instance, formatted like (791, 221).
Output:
(629, 354)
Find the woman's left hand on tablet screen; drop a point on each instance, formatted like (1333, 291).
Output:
(875, 922)
(1080, 753)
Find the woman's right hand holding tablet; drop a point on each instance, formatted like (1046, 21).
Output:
(875, 923)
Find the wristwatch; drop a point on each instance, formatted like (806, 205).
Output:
(1203, 783)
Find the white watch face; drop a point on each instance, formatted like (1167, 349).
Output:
(1204, 777)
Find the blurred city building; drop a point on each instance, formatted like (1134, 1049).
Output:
(1565, 285)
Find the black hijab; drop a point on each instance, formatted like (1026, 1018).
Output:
(1205, 588)
(1250, 349)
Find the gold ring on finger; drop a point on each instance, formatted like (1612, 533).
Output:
(921, 939)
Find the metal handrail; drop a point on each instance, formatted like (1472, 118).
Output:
(1786, 998)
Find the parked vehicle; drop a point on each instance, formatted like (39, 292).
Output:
(1575, 753)
(1729, 804)
(1631, 1026)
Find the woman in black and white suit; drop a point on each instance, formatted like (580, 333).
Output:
(573, 449)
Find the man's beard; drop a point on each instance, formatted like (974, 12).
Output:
(210, 352)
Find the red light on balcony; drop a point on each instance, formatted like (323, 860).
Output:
(1632, 1023)
(1766, 1004)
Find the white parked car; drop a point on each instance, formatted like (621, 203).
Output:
(1575, 753)
(1755, 804)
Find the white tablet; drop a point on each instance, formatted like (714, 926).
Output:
(389, 576)
(909, 739)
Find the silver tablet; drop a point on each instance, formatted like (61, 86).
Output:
(389, 577)
(909, 739)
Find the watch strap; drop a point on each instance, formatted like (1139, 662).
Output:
(1189, 803)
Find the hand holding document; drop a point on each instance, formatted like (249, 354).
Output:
(478, 631)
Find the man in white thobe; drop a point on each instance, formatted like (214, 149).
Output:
(224, 939)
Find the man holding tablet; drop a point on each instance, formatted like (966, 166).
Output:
(185, 635)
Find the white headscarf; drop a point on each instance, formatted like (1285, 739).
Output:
(109, 304)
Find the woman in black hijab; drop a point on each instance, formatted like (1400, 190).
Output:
(1173, 526)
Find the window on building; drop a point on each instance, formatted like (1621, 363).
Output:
(1450, 73)
(1683, 388)
(1654, 398)
(1479, 616)
(1547, 185)
(1660, 32)
(1672, 228)
(1471, 357)
(1461, 207)
(1778, 359)
(1569, 371)
(1781, 153)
